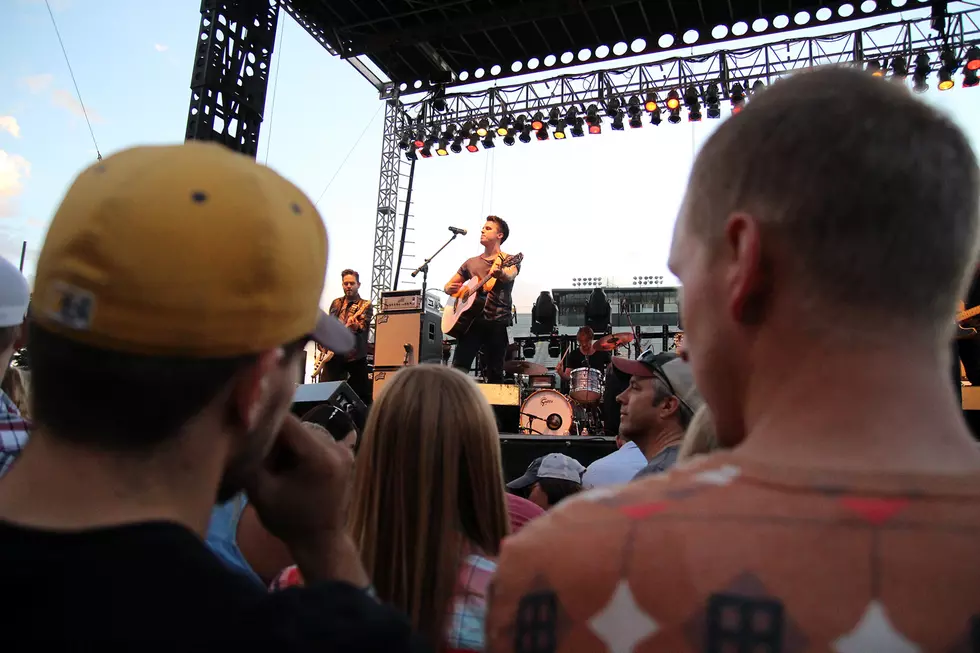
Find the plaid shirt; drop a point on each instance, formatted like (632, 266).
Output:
(465, 627)
(14, 432)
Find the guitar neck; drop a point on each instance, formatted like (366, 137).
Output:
(967, 314)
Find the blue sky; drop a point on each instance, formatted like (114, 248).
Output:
(597, 206)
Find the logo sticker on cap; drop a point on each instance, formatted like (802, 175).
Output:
(72, 307)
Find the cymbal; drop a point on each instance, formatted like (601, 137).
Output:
(525, 367)
(613, 340)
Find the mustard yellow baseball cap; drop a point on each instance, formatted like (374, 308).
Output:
(185, 250)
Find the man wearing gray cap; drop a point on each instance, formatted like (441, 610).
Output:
(657, 407)
(549, 479)
(14, 298)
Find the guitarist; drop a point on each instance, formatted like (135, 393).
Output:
(356, 314)
(488, 333)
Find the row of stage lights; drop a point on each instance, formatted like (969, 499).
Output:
(595, 282)
(520, 128)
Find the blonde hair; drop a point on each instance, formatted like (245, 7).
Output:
(429, 489)
(15, 386)
(700, 436)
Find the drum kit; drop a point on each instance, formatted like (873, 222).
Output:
(546, 411)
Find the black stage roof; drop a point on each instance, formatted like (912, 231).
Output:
(447, 41)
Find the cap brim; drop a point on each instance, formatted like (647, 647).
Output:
(523, 482)
(332, 334)
(633, 368)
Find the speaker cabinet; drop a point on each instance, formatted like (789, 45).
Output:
(421, 331)
(336, 393)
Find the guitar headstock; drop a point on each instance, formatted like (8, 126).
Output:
(513, 259)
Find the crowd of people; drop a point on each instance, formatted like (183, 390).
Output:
(795, 479)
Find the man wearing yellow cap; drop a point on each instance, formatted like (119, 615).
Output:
(175, 292)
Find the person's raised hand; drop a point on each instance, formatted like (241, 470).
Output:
(302, 491)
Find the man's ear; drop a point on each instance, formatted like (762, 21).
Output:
(670, 406)
(253, 386)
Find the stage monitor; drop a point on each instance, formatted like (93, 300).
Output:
(336, 393)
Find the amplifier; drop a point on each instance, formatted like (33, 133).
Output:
(400, 301)
(421, 331)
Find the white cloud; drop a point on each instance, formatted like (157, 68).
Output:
(65, 100)
(159, 47)
(14, 169)
(9, 125)
(38, 83)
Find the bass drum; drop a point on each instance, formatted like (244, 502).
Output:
(546, 412)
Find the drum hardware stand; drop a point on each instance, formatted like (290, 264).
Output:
(424, 268)
(625, 308)
(530, 424)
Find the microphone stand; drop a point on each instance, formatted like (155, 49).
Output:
(424, 268)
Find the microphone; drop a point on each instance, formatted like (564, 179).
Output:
(458, 231)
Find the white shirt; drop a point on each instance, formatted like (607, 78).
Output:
(618, 467)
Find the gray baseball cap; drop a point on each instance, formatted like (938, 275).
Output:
(554, 465)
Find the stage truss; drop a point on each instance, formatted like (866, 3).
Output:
(236, 39)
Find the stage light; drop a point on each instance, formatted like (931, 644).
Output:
(426, 151)
(711, 99)
(542, 134)
(636, 122)
(874, 67)
(945, 80)
(970, 78)
(443, 149)
(560, 130)
(404, 143)
(412, 153)
(693, 104)
(673, 100)
(554, 348)
(758, 87)
(488, 140)
(973, 58)
(525, 134)
(592, 117)
(617, 123)
(655, 118)
(900, 68)
(537, 122)
(509, 138)
(419, 140)
(554, 117)
(595, 129)
(651, 103)
(674, 118)
(528, 350)
(571, 115)
(483, 127)
(577, 128)
(737, 96)
(457, 145)
(612, 106)
(472, 147)
(504, 126)
(920, 73)
(948, 69)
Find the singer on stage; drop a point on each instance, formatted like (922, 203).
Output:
(356, 314)
(488, 333)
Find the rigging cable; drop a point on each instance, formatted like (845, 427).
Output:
(71, 72)
(341, 166)
(275, 89)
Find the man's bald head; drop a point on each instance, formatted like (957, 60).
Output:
(867, 196)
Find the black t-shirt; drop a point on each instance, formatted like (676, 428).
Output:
(576, 359)
(498, 306)
(156, 586)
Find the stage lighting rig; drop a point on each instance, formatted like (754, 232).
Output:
(612, 106)
(595, 122)
(921, 72)
(712, 101)
(525, 134)
(949, 67)
(674, 105)
(655, 118)
(472, 146)
(617, 123)
(874, 67)
(483, 128)
(504, 125)
(758, 87)
(542, 134)
(554, 117)
(900, 69)
(693, 104)
(560, 130)
(737, 96)
(488, 140)
(651, 103)
(509, 138)
(537, 122)
(578, 128)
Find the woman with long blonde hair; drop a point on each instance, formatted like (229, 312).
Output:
(429, 509)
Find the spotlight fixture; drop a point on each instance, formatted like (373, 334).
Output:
(560, 130)
(419, 140)
(612, 106)
(504, 126)
(443, 149)
(472, 146)
(711, 99)
(426, 151)
(758, 87)
(537, 122)
(554, 117)
(674, 104)
(920, 73)
(737, 96)
(595, 122)
(542, 134)
(483, 127)
(457, 145)
(655, 118)
(488, 140)
(404, 143)
(973, 58)
(900, 68)
(519, 123)
(525, 134)
(874, 67)
(693, 104)
(509, 138)
(948, 69)
(529, 350)
(651, 103)
(970, 78)
(412, 153)
(617, 123)
(578, 128)
(636, 122)
(945, 80)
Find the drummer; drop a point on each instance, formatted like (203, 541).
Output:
(585, 356)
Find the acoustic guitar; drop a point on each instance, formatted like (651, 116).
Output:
(470, 300)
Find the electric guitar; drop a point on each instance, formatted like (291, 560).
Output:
(470, 300)
(323, 356)
(965, 315)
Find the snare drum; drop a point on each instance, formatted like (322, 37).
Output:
(586, 385)
(546, 412)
